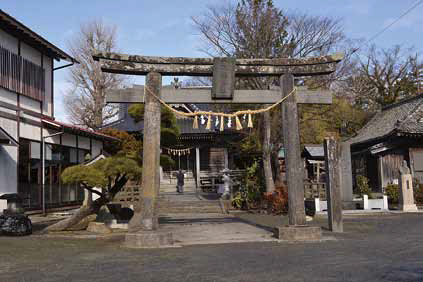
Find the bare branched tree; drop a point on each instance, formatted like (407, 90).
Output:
(258, 29)
(384, 76)
(85, 102)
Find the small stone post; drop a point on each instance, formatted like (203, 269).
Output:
(145, 219)
(406, 195)
(197, 167)
(333, 189)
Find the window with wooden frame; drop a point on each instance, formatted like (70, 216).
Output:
(21, 76)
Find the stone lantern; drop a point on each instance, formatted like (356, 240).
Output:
(14, 203)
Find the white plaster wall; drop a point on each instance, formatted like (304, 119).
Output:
(97, 147)
(54, 139)
(10, 126)
(8, 97)
(8, 111)
(9, 42)
(8, 169)
(47, 106)
(27, 116)
(29, 104)
(36, 57)
(3, 204)
(69, 140)
(83, 142)
(30, 132)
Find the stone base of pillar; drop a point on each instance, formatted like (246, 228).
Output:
(298, 233)
(149, 239)
(408, 208)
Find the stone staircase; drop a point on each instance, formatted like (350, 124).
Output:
(171, 202)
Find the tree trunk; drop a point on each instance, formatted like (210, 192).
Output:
(82, 213)
(267, 159)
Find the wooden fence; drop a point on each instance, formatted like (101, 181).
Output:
(314, 190)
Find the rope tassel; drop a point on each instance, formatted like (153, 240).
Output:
(195, 123)
(222, 123)
(209, 120)
(250, 121)
(238, 123)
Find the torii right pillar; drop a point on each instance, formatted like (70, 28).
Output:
(297, 230)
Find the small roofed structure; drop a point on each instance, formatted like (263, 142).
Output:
(393, 135)
(314, 159)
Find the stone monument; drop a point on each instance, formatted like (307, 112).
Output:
(406, 196)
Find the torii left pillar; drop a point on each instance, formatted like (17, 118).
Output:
(143, 227)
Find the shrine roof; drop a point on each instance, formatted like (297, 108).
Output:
(314, 151)
(402, 118)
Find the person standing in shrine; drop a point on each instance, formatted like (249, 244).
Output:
(180, 177)
(227, 182)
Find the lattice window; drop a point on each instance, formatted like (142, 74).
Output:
(21, 76)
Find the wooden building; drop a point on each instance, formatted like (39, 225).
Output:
(314, 162)
(394, 134)
(27, 68)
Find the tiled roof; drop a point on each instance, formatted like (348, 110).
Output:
(403, 117)
(315, 151)
(78, 130)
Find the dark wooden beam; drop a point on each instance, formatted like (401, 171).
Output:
(127, 67)
(203, 96)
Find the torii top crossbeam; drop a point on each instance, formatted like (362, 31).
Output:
(183, 66)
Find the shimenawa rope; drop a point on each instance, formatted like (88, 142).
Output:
(222, 115)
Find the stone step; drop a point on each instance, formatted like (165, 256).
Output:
(186, 203)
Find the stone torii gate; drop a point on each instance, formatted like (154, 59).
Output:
(144, 225)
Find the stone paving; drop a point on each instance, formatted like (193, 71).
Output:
(373, 248)
(200, 229)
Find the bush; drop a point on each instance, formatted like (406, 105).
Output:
(363, 186)
(418, 194)
(277, 201)
(392, 191)
(167, 162)
(280, 200)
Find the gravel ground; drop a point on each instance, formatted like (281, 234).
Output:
(373, 248)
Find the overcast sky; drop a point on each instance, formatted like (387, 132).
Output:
(164, 28)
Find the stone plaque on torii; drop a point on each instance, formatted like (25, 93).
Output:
(144, 225)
